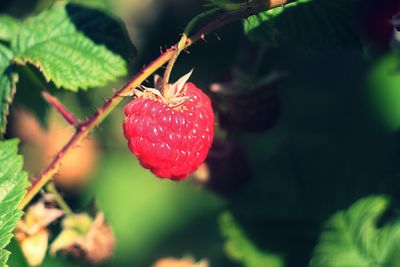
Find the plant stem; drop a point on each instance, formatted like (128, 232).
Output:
(180, 47)
(59, 199)
(190, 26)
(83, 130)
(171, 62)
(60, 108)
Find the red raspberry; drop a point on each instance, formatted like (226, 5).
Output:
(171, 140)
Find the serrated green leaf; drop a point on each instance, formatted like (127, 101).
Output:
(8, 80)
(13, 183)
(316, 25)
(54, 41)
(353, 237)
(8, 27)
(239, 248)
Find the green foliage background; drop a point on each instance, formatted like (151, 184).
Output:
(325, 180)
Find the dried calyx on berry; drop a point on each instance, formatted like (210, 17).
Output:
(174, 94)
(170, 132)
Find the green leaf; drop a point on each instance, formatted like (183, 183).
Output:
(353, 237)
(384, 90)
(316, 25)
(100, 4)
(228, 4)
(8, 27)
(5, 57)
(57, 42)
(104, 5)
(13, 183)
(8, 80)
(102, 28)
(240, 249)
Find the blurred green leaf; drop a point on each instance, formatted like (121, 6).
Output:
(55, 42)
(8, 80)
(148, 209)
(353, 238)
(384, 83)
(313, 24)
(102, 28)
(104, 5)
(262, 27)
(8, 27)
(241, 249)
(13, 183)
(100, 4)
(227, 4)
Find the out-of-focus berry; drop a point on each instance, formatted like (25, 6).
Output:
(226, 168)
(174, 262)
(251, 107)
(41, 146)
(32, 233)
(83, 237)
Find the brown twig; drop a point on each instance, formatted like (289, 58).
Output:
(84, 129)
(60, 108)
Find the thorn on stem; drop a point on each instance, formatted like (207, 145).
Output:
(33, 179)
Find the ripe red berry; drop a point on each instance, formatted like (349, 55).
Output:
(170, 137)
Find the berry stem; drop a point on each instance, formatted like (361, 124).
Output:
(60, 108)
(195, 21)
(51, 188)
(180, 47)
(83, 130)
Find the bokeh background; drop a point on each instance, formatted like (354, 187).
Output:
(317, 138)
